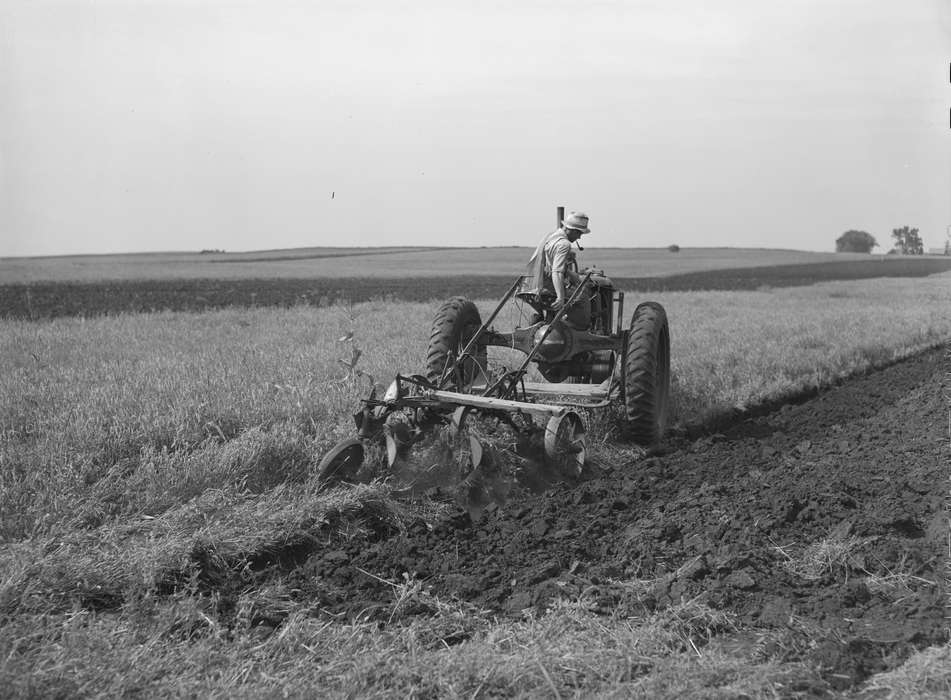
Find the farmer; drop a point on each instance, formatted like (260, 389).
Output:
(552, 268)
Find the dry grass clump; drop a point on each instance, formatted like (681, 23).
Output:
(791, 642)
(213, 536)
(836, 554)
(924, 675)
(693, 621)
(897, 585)
(158, 480)
(452, 651)
(841, 555)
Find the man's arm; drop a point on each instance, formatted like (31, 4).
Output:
(559, 270)
(558, 282)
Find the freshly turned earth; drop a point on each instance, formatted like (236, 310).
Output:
(717, 517)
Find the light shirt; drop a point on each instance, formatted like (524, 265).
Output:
(551, 254)
(557, 249)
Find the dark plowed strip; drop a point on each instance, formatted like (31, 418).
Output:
(714, 517)
(50, 300)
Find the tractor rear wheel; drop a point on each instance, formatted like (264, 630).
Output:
(454, 325)
(647, 374)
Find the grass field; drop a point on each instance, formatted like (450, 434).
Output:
(133, 447)
(339, 263)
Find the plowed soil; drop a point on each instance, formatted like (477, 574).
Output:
(728, 517)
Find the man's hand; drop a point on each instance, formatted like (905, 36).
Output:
(558, 305)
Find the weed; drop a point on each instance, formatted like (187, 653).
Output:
(925, 674)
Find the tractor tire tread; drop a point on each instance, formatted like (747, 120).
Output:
(647, 374)
(445, 332)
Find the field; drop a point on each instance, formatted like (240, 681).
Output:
(81, 286)
(410, 262)
(162, 532)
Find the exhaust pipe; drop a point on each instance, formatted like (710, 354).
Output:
(560, 216)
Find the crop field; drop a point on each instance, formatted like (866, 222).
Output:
(38, 289)
(408, 262)
(162, 532)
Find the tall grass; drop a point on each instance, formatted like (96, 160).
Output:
(165, 405)
(197, 399)
(136, 448)
(739, 349)
(456, 653)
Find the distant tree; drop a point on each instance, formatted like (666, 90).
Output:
(855, 242)
(673, 248)
(907, 241)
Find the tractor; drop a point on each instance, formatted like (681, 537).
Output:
(589, 368)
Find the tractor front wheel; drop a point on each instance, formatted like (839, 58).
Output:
(647, 374)
(454, 325)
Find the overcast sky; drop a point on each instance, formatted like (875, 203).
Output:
(141, 125)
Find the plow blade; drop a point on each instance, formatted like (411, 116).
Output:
(342, 462)
(473, 443)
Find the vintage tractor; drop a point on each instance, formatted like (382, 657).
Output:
(467, 401)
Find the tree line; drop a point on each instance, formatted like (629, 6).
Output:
(907, 242)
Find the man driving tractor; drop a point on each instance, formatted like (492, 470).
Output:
(553, 270)
(583, 344)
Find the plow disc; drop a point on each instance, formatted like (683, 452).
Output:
(473, 448)
(565, 445)
(342, 462)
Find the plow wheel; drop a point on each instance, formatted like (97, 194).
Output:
(565, 445)
(342, 462)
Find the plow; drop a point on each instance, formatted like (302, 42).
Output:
(471, 424)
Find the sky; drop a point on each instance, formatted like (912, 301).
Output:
(157, 125)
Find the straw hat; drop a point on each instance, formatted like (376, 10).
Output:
(576, 220)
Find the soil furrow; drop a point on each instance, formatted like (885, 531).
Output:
(819, 524)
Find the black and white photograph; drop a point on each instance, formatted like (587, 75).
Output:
(458, 349)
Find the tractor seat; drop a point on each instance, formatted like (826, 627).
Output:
(545, 298)
(531, 294)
